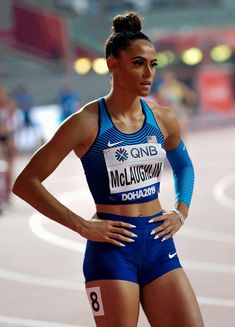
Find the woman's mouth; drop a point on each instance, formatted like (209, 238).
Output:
(146, 83)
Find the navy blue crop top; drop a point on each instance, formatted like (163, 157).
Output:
(125, 168)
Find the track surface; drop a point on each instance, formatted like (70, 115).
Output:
(41, 281)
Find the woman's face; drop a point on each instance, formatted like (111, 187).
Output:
(135, 69)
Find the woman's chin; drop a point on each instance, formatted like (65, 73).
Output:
(143, 93)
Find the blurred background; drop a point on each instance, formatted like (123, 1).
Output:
(52, 62)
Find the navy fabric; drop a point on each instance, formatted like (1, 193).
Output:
(140, 262)
(94, 163)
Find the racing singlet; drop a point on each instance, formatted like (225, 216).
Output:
(125, 168)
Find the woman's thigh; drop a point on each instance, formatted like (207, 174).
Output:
(169, 301)
(114, 302)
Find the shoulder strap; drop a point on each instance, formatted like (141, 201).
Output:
(105, 121)
(150, 118)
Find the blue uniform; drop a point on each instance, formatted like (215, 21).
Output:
(125, 168)
(140, 262)
(122, 169)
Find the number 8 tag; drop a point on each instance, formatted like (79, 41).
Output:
(94, 296)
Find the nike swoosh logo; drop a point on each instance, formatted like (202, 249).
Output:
(171, 256)
(113, 144)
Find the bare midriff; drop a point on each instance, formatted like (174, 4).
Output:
(131, 210)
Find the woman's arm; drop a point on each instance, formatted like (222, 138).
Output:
(181, 164)
(182, 170)
(29, 186)
(73, 134)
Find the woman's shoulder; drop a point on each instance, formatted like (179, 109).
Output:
(77, 124)
(89, 110)
(165, 117)
(79, 128)
(86, 115)
(164, 114)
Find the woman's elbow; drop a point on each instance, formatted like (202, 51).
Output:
(21, 186)
(18, 186)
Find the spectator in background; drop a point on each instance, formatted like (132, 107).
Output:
(31, 134)
(7, 145)
(175, 94)
(69, 102)
(24, 100)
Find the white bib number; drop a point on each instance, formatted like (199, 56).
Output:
(134, 170)
(94, 296)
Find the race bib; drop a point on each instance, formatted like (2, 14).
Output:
(134, 170)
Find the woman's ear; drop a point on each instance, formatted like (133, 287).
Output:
(111, 63)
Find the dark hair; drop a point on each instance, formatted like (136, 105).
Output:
(125, 29)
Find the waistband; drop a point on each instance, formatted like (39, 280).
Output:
(136, 220)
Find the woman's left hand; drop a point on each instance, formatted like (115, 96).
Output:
(170, 225)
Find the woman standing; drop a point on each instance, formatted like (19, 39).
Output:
(7, 143)
(130, 256)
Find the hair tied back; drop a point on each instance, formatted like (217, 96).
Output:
(129, 22)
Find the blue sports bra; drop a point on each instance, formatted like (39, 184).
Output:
(125, 168)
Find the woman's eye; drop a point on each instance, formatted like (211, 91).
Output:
(154, 64)
(138, 63)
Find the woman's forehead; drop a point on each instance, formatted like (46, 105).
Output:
(141, 48)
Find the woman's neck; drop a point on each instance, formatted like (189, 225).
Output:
(122, 104)
(126, 112)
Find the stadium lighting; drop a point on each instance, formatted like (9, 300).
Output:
(192, 56)
(221, 53)
(100, 66)
(165, 58)
(82, 66)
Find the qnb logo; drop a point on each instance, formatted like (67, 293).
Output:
(121, 154)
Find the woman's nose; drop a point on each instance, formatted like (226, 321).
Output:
(148, 71)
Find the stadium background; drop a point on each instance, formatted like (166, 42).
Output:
(52, 45)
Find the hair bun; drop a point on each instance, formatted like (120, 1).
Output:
(129, 22)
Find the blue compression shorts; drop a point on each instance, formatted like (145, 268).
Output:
(140, 262)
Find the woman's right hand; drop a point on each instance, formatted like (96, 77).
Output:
(114, 232)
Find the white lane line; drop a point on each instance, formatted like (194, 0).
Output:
(208, 267)
(47, 282)
(26, 278)
(38, 229)
(216, 302)
(36, 226)
(79, 286)
(32, 323)
(207, 235)
(77, 199)
(41, 281)
(229, 303)
(219, 191)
